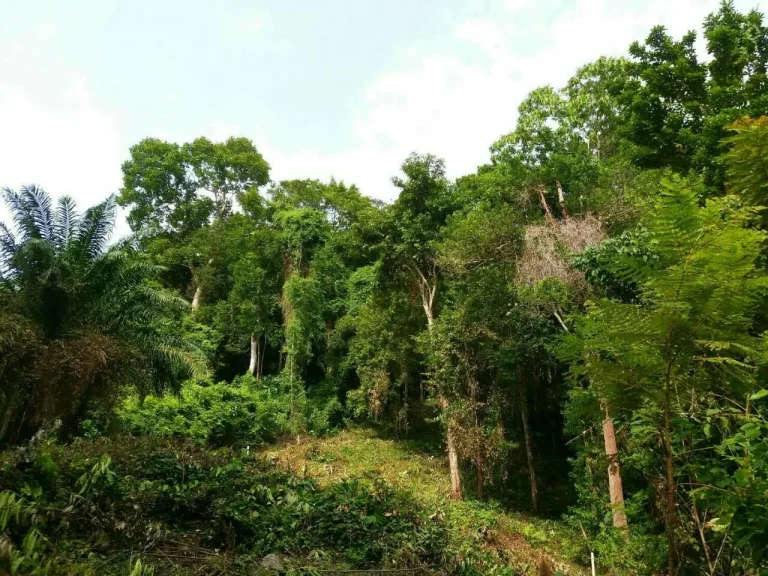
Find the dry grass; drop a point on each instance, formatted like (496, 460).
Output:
(355, 453)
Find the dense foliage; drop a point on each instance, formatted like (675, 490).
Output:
(198, 507)
(579, 326)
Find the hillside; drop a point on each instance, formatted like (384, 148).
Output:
(525, 543)
(321, 506)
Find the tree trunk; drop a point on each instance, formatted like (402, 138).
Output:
(702, 536)
(253, 366)
(480, 455)
(453, 464)
(480, 472)
(561, 200)
(430, 318)
(670, 507)
(196, 297)
(614, 472)
(453, 458)
(545, 206)
(428, 300)
(263, 350)
(453, 455)
(199, 290)
(523, 398)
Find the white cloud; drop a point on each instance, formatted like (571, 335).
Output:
(447, 102)
(454, 106)
(66, 144)
(220, 132)
(250, 25)
(47, 29)
(12, 52)
(517, 5)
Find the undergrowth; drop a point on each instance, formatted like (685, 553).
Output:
(98, 507)
(150, 505)
(246, 412)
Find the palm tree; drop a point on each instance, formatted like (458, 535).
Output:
(79, 317)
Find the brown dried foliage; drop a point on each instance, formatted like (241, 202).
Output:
(548, 249)
(48, 379)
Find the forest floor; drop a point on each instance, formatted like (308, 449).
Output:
(532, 545)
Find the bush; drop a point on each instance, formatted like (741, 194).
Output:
(325, 418)
(323, 412)
(246, 412)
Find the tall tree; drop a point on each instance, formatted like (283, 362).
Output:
(738, 85)
(173, 191)
(417, 216)
(665, 101)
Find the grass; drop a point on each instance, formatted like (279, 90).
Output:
(528, 544)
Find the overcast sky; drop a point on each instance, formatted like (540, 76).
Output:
(342, 88)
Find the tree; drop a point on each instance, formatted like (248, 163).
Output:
(176, 189)
(159, 192)
(81, 317)
(738, 46)
(689, 334)
(563, 139)
(747, 161)
(248, 314)
(173, 193)
(593, 108)
(225, 170)
(417, 216)
(665, 101)
(381, 326)
(478, 253)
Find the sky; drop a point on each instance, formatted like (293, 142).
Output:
(324, 88)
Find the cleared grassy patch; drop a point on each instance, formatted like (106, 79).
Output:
(527, 544)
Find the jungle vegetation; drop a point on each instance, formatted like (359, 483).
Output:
(574, 334)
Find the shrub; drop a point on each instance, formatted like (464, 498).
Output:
(325, 418)
(246, 412)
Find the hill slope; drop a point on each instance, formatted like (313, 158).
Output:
(149, 505)
(529, 545)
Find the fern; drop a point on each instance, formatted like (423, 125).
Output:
(699, 295)
(747, 160)
(688, 336)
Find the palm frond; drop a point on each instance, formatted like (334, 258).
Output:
(187, 359)
(168, 360)
(66, 221)
(96, 228)
(8, 249)
(38, 205)
(20, 213)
